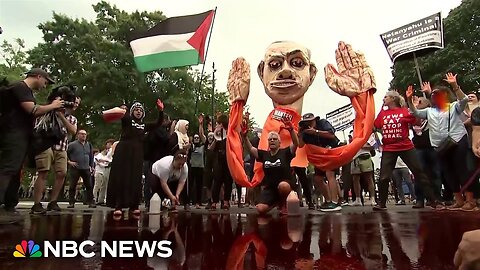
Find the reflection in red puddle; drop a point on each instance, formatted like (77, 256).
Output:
(392, 240)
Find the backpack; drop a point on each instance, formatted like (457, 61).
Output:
(325, 125)
(47, 132)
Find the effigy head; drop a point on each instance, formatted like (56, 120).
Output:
(286, 71)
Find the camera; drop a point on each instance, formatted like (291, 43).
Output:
(66, 93)
(303, 125)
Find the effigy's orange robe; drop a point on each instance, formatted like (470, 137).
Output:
(322, 158)
(236, 256)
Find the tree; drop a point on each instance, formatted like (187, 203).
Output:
(95, 56)
(15, 58)
(461, 54)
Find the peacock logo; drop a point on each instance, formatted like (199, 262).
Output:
(27, 250)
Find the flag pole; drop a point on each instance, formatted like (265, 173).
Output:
(417, 68)
(205, 60)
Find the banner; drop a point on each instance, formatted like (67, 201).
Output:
(342, 118)
(419, 35)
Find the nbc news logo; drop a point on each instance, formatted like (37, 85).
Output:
(70, 249)
(27, 250)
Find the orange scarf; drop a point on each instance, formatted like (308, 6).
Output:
(322, 158)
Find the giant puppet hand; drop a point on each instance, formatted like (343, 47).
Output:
(354, 79)
(239, 81)
(353, 76)
(238, 87)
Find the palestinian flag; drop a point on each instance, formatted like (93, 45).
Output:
(175, 42)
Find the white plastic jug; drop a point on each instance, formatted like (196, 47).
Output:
(155, 204)
(293, 204)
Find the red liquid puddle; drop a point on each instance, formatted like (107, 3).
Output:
(354, 240)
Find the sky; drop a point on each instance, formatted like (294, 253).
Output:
(246, 28)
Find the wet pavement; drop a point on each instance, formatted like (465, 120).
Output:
(356, 238)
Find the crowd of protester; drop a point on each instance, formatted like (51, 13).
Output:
(428, 143)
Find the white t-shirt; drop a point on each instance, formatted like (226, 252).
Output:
(163, 169)
(365, 149)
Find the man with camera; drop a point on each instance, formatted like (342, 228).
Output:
(56, 156)
(320, 132)
(18, 110)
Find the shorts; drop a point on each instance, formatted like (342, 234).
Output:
(269, 196)
(48, 157)
(360, 166)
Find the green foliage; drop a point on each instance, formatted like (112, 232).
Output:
(95, 56)
(14, 56)
(461, 53)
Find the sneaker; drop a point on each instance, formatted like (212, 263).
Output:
(436, 205)
(357, 202)
(38, 209)
(418, 205)
(380, 207)
(71, 205)
(469, 206)
(372, 202)
(53, 206)
(311, 206)
(400, 202)
(330, 207)
(209, 205)
(456, 206)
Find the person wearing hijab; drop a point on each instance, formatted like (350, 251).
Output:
(179, 139)
(125, 182)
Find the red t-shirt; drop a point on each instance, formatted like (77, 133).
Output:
(394, 124)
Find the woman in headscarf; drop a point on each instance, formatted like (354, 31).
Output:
(179, 139)
(125, 182)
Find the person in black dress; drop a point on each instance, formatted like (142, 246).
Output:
(125, 182)
(277, 181)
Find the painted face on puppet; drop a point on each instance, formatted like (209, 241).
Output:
(286, 72)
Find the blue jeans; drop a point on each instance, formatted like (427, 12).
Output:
(431, 165)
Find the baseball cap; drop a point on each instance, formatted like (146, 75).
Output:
(41, 72)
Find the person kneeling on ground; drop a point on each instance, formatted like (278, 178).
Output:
(276, 165)
(172, 172)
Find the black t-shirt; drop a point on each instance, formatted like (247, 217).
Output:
(277, 167)
(13, 115)
(221, 150)
(322, 125)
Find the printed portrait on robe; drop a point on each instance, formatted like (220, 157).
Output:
(286, 73)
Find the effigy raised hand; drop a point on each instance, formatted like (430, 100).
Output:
(354, 75)
(239, 81)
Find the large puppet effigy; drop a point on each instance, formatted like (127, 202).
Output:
(286, 73)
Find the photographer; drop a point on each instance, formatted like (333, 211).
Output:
(320, 132)
(17, 112)
(56, 156)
